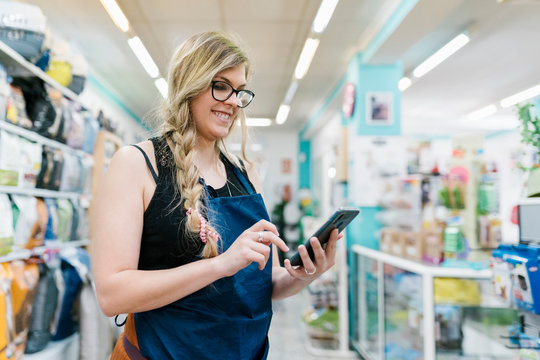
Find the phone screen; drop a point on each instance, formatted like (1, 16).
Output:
(339, 220)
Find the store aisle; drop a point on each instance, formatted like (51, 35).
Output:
(288, 334)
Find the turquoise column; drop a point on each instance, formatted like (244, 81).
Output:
(304, 163)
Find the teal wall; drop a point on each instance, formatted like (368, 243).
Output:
(304, 163)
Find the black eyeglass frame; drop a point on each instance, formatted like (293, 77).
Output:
(233, 91)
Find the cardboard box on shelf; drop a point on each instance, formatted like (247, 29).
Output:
(391, 242)
(413, 245)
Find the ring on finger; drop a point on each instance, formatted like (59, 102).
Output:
(310, 272)
(260, 236)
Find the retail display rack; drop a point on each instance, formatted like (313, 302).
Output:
(398, 310)
(16, 65)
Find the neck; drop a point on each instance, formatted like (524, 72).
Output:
(206, 156)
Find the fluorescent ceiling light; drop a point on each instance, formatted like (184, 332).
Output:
(116, 14)
(258, 122)
(144, 56)
(162, 86)
(305, 57)
(482, 113)
(290, 92)
(282, 114)
(404, 83)
(238, 147)
(521, 96)
(323, 15)
(442, 54)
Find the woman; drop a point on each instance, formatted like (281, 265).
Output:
(182, 240)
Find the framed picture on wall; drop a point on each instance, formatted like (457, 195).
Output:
(379, 108)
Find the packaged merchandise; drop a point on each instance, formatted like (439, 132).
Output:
(43, 310)
(7, 330)
(9, 158)
(16, 108)
(6, 225)
(70, 179)
(56, 173)
(38, 105)
(91, 128)
(456, 291)
(47, 164)
(448, 327)
(391, 242)
(433, 245)
(65, 218)
(413, 245)
(26, 220)
(37, 235)
(30, 163)
(4, 91)
(23, 290)
(75, 136)
(51, 232)
(60, 63)
(22, 27)
(79, 71)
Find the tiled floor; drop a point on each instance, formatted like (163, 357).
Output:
(288, 336)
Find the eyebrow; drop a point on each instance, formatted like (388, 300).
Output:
(229, 81)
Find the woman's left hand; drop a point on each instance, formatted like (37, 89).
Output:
(324, 258)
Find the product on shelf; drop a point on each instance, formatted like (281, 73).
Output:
(38, 105)
(22, 27)
(75, 136)
(51, 232)
(433, 246)
(26, 219)
(47, 164)
(80, 71)
(456, 291)
(448, 327)
(9, 159)
(43, 310)
(16, 108)
(4, 91)
(413, 245)
(23, 290)
(65, 218)
(30, 163)
(60, 63)
(6, 225)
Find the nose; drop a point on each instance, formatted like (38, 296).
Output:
(232, 100)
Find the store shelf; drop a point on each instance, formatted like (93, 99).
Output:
(40, 192)
(33, 136)
(421, 269)
(16, 65)
(406, 313)
(23, 254)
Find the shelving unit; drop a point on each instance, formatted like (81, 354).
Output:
(16, 65)
(380, 308)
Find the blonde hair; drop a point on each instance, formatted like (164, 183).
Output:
(192, 68)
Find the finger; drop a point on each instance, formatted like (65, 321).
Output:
(276, 240)
(331, 246)
(258, 258)
(318, 251)
(263, 225)
(296, 273)
(306, 260)
(262, 249)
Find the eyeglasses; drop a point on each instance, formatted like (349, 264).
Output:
(222, 90)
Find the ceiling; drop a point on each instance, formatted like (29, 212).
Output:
(500, 60)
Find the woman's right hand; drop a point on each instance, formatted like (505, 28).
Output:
(253, 245)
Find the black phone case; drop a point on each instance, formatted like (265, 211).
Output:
(340, 219)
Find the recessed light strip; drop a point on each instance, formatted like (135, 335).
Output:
(308, 52)
(483, 112)
(324, 14)
(442, 54)
(282, 114)
(521, 96)
(162, 86)
(116, 14)
(144, 56)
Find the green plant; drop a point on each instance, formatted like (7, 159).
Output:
(529, 126)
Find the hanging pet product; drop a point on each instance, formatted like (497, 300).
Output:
(79, 71)
(22, 27)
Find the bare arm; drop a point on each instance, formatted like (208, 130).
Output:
(117, 228)
(288, 281)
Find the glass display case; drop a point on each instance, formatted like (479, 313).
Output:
(407, 310)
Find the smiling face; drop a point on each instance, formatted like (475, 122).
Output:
(213, 118)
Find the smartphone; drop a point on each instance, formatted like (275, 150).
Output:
(339, 220)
